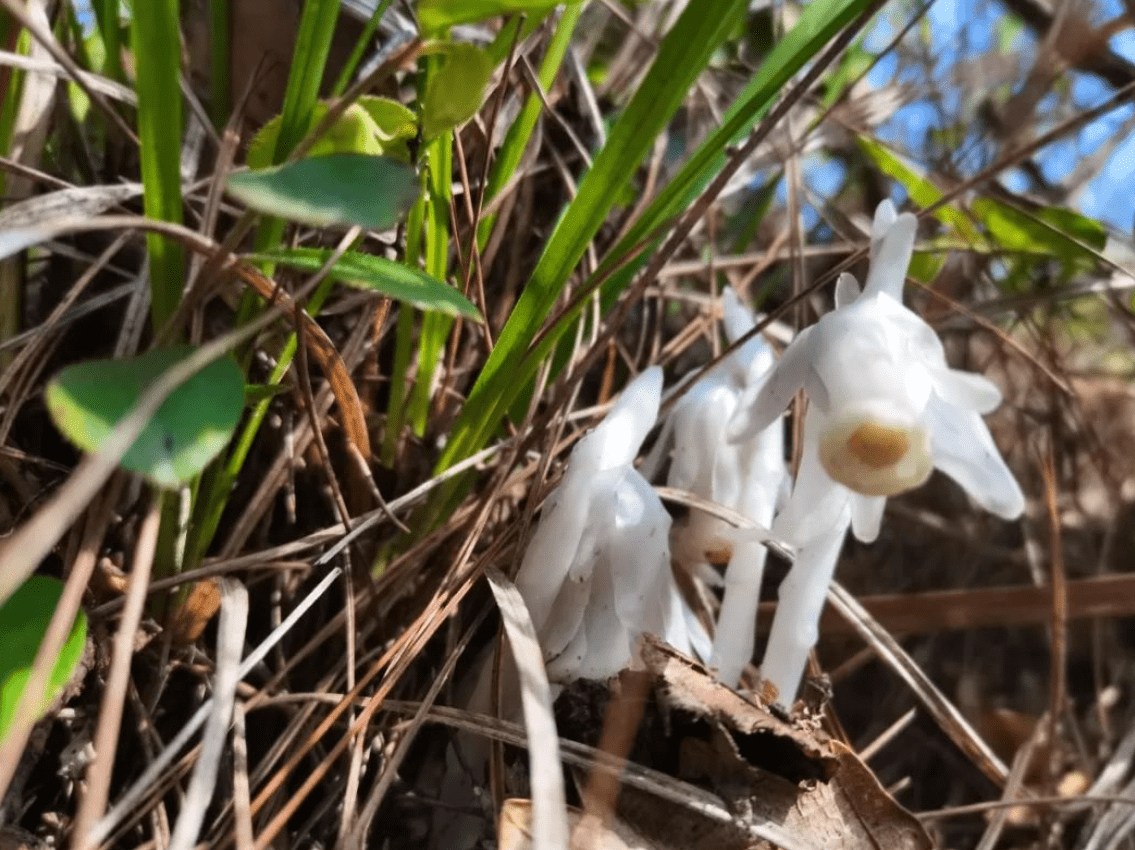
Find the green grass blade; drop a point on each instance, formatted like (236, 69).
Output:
(404, 339)
(313, 46)
(819, 23)
(437, 16)
(360, 49)
(516, 140)
(110, 27)
(157, 55)
(435, 327)
(683, 54)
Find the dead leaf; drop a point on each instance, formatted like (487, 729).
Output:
(686, 685)
(196, 612)
(767, 769)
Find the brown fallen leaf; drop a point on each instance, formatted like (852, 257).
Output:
(686, 685)
(767, 769)
(195, 612)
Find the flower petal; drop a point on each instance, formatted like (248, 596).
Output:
(966, 389)
(552, 550)
(699, 427)
(763, 404)
(885, 216)
(846, 290)
(621, 433)
(867, 516)
(964, 450)
(887, 272)
(638, 549)
(736, 318)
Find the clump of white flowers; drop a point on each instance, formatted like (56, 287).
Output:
(884, 410)
(746, 476)
(596, 575)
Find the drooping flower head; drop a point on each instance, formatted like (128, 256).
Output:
(887, 407)
(884, 410)
(596, 574)
(746, 476)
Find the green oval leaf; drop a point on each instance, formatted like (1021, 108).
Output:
(88, 399)
(23, 622)
(454, 93)
(372, 125)
(344, 188)
(392, 279)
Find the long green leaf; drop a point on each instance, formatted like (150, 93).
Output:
(435, 327)
(313, 46)
(519, 133)
(157, 56)
(819, 23)
(437, 16)
(683, 54)
(395, 280)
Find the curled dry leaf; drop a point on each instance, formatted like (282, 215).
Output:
(685, 685)
(766, 768)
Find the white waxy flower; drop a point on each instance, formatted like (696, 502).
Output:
(884, 410)
(747, 476)
(889, 407)
(597, 575)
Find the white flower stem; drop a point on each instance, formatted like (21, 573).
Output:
(737, 622)
(795, 627)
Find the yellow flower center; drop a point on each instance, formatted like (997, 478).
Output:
(878, 446)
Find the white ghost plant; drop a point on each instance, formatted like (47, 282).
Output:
(884, 410)
(747, 476)
(596, 574)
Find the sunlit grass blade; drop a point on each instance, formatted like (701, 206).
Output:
(435, 327)
(110, 27)
(683, 54)
(313, 46)
(352, 63)
(437, 16)
(818, 24)
(520, 132)
(157, 55)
